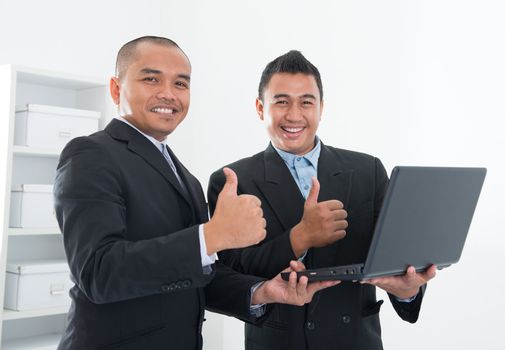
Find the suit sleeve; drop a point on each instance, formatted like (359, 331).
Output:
(266, 259)
(91, 209)
(230, 294)
(407, 311)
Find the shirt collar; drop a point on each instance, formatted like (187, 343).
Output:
(312, 157)
(158, 144)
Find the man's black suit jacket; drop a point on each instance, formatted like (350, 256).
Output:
(131, 238)
(342, 317)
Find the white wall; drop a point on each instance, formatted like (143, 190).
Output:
(412, 82)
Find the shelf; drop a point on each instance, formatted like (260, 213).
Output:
(38, 329)
(17, 315)
(14, 231)
(56, 79)
(39, 342)
(35, 151)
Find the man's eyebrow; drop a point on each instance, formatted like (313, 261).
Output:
(147, 71)
(281, 96)
(150, 71)
(287, 96)
(184, 76)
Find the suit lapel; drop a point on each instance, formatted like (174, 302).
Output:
(335, 182)
(140, 145)
(191, 187)
(283, 195)
(280, 190)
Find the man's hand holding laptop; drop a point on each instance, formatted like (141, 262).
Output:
(406, 286)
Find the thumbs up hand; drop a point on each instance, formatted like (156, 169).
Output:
(231, 184)
(237, 221)
(322, 223)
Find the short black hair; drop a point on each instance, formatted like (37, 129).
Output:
(291, 62)
(128, 50)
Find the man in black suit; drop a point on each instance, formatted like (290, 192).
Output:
(134, 222)
(304, 187)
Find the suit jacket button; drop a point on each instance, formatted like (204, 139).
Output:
(186, 283)
(165, 288)
(179, 285)
(346, 319)
(310, 325)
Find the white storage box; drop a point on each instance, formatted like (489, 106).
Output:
(37, 284)
(32, 206)
(52, 127)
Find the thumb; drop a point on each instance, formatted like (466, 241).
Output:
(230, 186)
(314, 192)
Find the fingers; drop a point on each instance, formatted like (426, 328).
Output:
(410, 274)
(302, 290)
(299, 291)
(249, 198)
(296, 265)
(292, 284)
(230, 186)
(314, 192)
(315, 287)
(335, 208)
(429, 273)
(334, 204)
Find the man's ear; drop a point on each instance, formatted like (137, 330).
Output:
(114, 87)
(322, 107)
(259, 108)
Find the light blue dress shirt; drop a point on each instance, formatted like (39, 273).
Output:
(302, 168)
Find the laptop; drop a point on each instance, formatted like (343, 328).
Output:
(424, 220)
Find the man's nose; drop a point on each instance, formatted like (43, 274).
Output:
(166, 92)
(294, 113)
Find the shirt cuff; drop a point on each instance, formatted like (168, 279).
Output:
(256, 310)
(207, 260)
(409, 300)
(303, 256)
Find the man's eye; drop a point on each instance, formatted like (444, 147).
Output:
(308, 102)
(150, 79)
(182, 84)
(281, 102)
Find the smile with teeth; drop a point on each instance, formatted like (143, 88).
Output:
(292, 130)
(163, 110)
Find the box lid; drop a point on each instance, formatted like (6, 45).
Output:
(37, 266)
(37, 188)
(70, 112)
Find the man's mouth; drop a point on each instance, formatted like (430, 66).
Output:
(164, 110)
(292, 130)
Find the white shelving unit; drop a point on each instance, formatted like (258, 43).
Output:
(23, 151)
(17, 315)
(39, 328)
(15, 231)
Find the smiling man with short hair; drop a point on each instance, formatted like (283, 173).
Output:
(320, 204)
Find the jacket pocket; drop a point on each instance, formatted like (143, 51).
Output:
(134, 338)
(275, 325)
